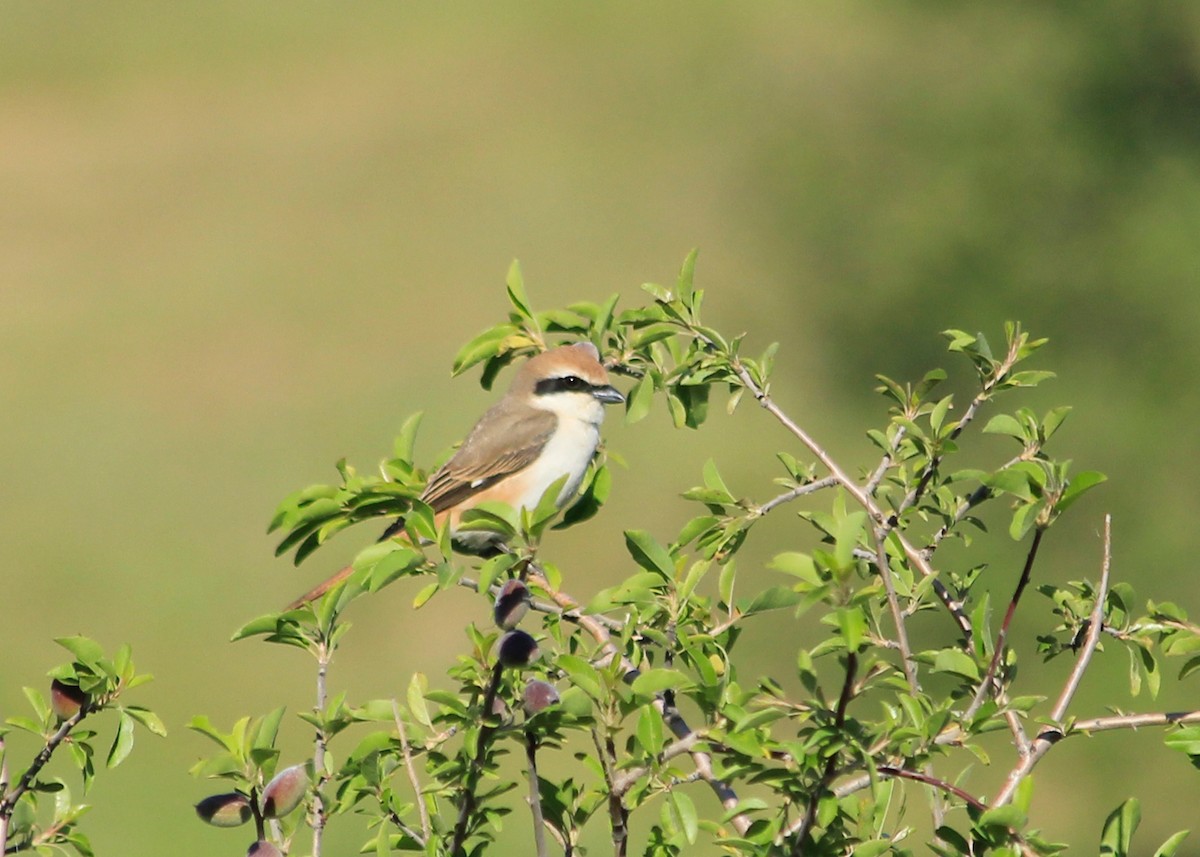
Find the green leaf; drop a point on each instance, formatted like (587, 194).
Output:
(648, 553)
(956, 661)
(771, 598)
(122, 742)
(417, 687)
(1006, 425)
(86, 651)
(402, 446)
(637, 404)
(650, 730)
(515, 284)
(683, 814)
(148, 719)
(1171, 845)
(657, 680)
(1079, 484)
(1117, 836)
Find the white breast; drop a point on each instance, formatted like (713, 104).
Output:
(567, 453)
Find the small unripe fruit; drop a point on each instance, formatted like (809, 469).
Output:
(66, 699)
(225, 810)
(262, 848)
(511, 604)
(285, 791)
(517, 649)
(538, 696)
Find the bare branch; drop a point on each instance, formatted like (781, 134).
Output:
(800, 833)
(466, 804)
(535, 797)
(406, 753)
(1094, 630)
(985, 686)
(798, 491)
(321, 744)
(678, 726)
(625, 781)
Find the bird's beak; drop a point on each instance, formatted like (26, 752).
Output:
(608, 395)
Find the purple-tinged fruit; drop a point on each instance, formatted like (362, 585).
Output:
(225, 810)
(66, 699)
(539, 695)
(285, 791)
(263, 848)
(511, 604)
(518, 649)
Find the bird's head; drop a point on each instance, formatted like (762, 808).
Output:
(569, 381)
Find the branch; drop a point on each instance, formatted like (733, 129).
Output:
(918, 559)
(985, 686)
(466, 804)
(678, 726)
(8, 802)
(905, 773)
(804, 827)
(618, 814)
(320, 744)
(798, 491)
(406, 752)
(535, 797)
(1094, 630)
(685, 744)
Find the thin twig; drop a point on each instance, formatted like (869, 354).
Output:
(3, 794)
(466, 804)
(626, 780)
(617, 813)
(1093, 634)
(918, 559)
(798, 491)
(675, 722)
(321, 744)
(535, 797)
(8, 802)
(917, 776)
(985, 686)
(804, 827)
(406, 753)
(889, 586)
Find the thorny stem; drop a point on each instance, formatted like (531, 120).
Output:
(985, 686)
(406, 753)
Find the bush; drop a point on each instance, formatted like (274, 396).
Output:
(641, 684)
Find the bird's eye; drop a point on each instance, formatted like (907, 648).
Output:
(572, 382)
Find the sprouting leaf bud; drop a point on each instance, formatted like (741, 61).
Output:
(285, 792)
(262, 848)
(511, 604)
(538, 696)
(66, 699)
(224, 810)
(518, 649)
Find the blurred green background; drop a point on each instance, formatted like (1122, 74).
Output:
(241, 240)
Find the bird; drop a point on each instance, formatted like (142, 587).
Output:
(544, 428)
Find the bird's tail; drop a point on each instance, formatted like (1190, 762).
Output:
(320, 589)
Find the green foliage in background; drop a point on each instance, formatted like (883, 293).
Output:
(864, 750)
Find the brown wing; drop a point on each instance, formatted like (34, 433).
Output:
(505, 440)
